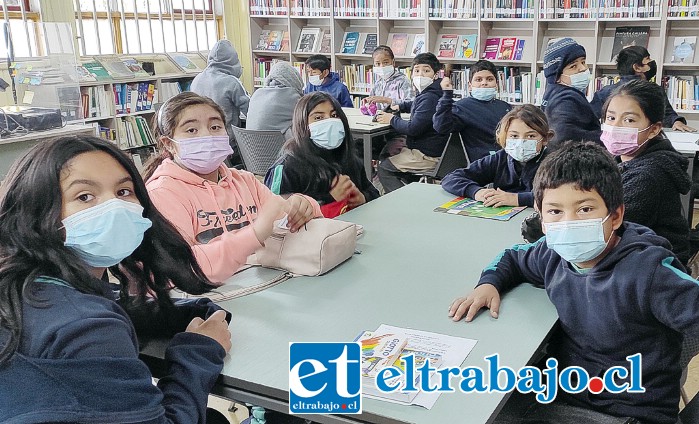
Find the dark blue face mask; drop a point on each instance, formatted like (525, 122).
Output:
(105, 234)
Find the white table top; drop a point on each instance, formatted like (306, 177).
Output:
(414, 262)
(683, 142)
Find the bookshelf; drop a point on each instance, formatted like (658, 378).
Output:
(593, 23)
(121, 101)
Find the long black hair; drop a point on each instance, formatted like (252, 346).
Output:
(32, 239)
(320, 165)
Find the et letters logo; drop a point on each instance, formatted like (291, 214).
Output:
(325, 378)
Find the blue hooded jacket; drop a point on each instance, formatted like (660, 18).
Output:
(637, 299)
(333, 86)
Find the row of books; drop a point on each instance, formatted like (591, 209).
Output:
(137, 97)
(356, 8)
(507, 9)
(360, 78)
(273, 40)
(314, 40)
(311, 8)
(133, 131)
(106, 68)
(401, 9)
(457, 46)
(269, 7)
(505, 48)
(513, 86)
(96, 102)
(683, 92)
(564, 9)
(354, 42)
(628, 9)
(452, 9)
(683, 8)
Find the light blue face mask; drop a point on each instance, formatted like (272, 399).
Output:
(581, 80)
(328, 133)
(577, 241)
(522, 150)
(484, 94)
(105, 234)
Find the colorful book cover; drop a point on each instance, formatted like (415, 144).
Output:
(379, 351)
(370, 43)
(262, 42)
(274, 42)
(398, 43)
(84, 75)
(519, 53)
(184, 63)
(307, 40)
(447, 45)
(492, 44)
(629, 36)
(96, 69)
(507, 48)
(349, 43)
(135, 67)
(683, 49)
(467, 46)
(470, 207)
(285, 42)
(418, 44)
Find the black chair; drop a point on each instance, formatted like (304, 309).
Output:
(258, 149)
(453, 157)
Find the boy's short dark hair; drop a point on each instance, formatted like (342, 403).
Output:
(482, 65)
(318, 61)
(629, 56)
(588, 166)
(428, 59)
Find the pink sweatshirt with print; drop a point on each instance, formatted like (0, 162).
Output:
(214, 218)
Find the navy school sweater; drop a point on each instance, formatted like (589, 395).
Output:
(637, 299)
(570, 115)
(653, 182)
(78, 362)
(419, 131)
(499, 169)
(603, 94)
(476, 120)
(334, 87)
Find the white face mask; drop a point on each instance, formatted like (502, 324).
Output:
(328, 133)
(581, 80)
(384, 71)
(315, 80)
(422, 82)
(522, 150)
(577, 241)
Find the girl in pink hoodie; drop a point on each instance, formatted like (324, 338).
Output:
(223, 213)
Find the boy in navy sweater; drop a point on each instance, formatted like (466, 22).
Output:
(616, 286)
(321, 79)
(634, 63)
(424, 144)
(566, 107)
(523, 134)
(476, 116)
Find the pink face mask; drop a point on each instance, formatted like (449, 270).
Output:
(203, 155)
(621, 140)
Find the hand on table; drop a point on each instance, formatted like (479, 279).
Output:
(215, 327)
(483, 296)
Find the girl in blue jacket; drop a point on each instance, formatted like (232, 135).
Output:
(523, 134)
(71, 209)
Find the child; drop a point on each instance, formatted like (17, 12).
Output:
(424, 144)
(68, 349)
(321, 79)
(224, 214)
(654, 174)
(391, 86)
(476, 116)
(320, 159)
(523, 134)
(567, 109)
(633, 63)
(616, 286)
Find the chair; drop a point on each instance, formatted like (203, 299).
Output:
(453, 157)
(258, 149)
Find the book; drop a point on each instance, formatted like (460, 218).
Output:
(84, 75)
(629, 36)
(492, 45)
(115, 67)
(326, 43)
(349, 42)
(274, 42)
(507, 48)
(379, 351)
(519, 52)
(262, 42)
(184, 63)
(308, 39)
(447, 44)
(97, 70)
(285, 42)
(370, 43)
(467, 46)
(418, 45)
(134, 67)
(683, 49)
(469, 207)
(398, 43)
